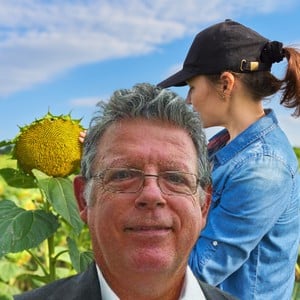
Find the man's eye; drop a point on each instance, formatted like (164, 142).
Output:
(120, 175)
(174, 178)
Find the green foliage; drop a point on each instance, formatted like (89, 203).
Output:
(296, 291)
(23, 229)
(297, 152)
(43, 237)
(16, 178)
(59, 193)
(80, 260)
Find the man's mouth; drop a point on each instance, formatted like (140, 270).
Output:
(142, 228)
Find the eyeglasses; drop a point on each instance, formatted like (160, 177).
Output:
(123, 180)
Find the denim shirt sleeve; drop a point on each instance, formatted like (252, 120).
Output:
(248, 200)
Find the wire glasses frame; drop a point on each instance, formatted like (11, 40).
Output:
(125, 180)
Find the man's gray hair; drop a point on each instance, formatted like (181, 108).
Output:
(153, 103)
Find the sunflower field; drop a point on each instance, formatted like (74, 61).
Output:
(42, 236)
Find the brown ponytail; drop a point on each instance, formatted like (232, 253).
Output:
(291, 82)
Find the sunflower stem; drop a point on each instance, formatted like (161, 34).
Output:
(51, 259)
(51, 251)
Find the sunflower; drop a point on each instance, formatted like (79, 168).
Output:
(49, 144)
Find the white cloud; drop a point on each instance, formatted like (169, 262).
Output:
(85, 102)
(41, 39)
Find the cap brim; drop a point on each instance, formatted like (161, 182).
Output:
(177, 79)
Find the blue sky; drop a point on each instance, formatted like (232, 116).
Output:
(63, 56)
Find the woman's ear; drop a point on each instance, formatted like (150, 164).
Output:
(227, 83)
(79, 185)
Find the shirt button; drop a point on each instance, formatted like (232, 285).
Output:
(215, 243)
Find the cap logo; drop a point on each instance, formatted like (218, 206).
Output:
(249, 66)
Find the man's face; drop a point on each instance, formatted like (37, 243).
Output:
(147, 232)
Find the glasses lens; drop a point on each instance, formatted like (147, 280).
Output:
(122, 180)
(178, 183)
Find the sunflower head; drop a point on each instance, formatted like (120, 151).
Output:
(49, 144)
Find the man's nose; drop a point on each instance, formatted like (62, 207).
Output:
(150, 196)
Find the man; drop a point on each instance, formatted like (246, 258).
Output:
(144, 192)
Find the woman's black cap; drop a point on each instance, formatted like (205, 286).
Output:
(226, 46)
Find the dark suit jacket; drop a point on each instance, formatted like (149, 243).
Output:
(85, 286)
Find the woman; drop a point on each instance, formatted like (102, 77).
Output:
(250, 244)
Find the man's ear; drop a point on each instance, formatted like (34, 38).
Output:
(79, 185)
(206, 205)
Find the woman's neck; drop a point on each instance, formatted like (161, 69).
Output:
(242, 115)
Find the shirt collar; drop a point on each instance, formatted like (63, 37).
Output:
(222, 152)
(106, 292)
(191, 289)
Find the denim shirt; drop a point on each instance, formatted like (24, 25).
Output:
(249, 246)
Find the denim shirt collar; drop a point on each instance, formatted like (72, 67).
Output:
(222, 153)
